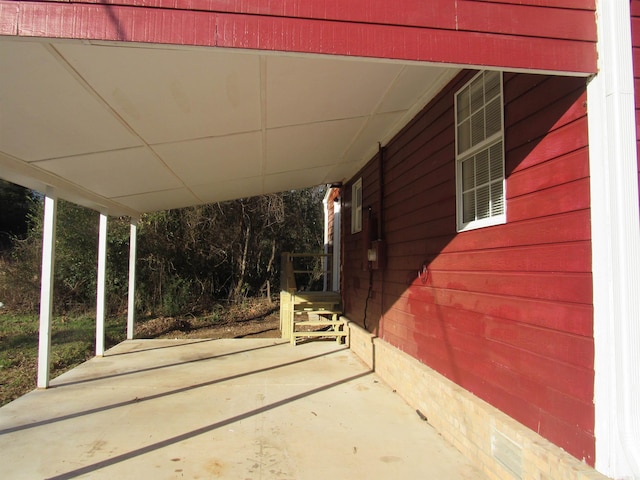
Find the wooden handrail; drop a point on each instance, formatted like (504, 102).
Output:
(287, 277)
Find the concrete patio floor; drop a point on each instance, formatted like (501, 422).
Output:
(236, 409)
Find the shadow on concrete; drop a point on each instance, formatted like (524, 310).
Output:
(159, 367)
(170, 392)
(177, 345)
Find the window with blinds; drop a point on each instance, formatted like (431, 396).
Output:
(480, 180)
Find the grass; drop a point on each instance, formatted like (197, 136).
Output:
(73, 339)
(72, 342)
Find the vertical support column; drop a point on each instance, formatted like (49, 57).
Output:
(325, 260)
(102, 271)
(616, 246)
(133, 238)
(337, 244)
(46, 287)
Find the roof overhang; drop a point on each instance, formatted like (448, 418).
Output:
(130, 106)
(137, 128)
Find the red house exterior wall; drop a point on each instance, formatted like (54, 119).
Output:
(635, 39)
(333, 196)
(332, 240)
(504, 311)
(553, 35)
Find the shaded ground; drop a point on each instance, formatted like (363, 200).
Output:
(264, 326)
(73, 338)
(72, 342)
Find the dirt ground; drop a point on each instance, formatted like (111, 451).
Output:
(255, 322)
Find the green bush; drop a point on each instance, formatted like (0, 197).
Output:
(188, 259)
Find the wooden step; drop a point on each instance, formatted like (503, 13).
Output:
(319, 323)
(317, 304)
(328, 304)
(326, 297)
(338, 335)
(317, 308)
(323, 333)
(337, 330)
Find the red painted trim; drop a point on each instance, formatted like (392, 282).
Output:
(635, 39)
(103, 22)
(574, 4)
(9, 12)
(514, 19)
(434, 40)
(435, 13)
(443, 14)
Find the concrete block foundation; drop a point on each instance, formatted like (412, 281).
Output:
(501, 447)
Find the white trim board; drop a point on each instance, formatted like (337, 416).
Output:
(616, 246)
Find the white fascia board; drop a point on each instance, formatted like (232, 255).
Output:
(32, 177)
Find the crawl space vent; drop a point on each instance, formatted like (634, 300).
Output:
(507, 452)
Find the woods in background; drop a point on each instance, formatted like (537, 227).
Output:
(188, 259)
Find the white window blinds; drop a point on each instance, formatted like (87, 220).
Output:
(480, 152)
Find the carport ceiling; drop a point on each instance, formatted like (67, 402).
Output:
(133, 128)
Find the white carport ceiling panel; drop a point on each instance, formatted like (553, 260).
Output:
(410, 86)
(307, 177)
(116, 173)
(160, 200)
(343, 170)
(138, 128)
(52, 116)
(308, 90)
(220, 191)
(310, 145)
(169, 95)
(375, 130)
(214, 159)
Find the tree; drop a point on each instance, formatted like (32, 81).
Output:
(13, 214)
(188, 259)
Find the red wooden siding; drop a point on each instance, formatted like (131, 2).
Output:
(635, 38)
(334, 195)
(505, 311)
(357, 283)
(538, 35)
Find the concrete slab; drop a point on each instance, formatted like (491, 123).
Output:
(236, 409)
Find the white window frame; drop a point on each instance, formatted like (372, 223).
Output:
(467, 154)
(356, 206)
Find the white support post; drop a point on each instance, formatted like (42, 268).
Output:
(615, 228)
(337, 242)
(325, 260)
(46, 287)
(102, 271)
(132, 279)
